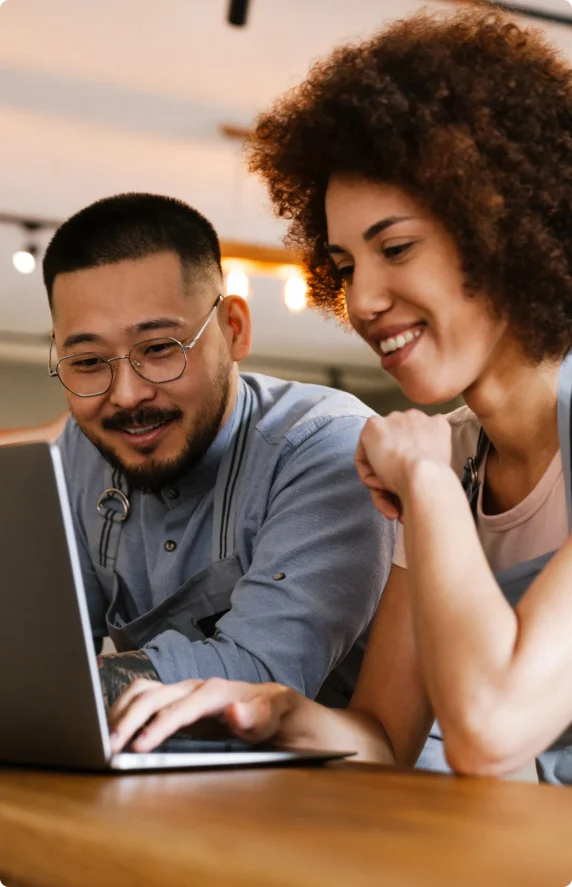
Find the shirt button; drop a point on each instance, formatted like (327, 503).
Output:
(279, 576)
(173, 493)
(170, 545)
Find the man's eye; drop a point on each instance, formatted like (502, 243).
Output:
(160, 349)
(86, 364)
(397, 251)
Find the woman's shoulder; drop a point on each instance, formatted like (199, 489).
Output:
(464, 436)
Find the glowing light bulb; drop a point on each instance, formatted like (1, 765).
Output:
(24, 261)
(237, 283)
(295, 294)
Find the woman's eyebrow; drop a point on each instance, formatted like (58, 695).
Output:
(371, 232)
(380, 226)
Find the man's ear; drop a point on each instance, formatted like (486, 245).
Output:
(240, 326)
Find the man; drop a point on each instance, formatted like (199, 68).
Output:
(221, 524)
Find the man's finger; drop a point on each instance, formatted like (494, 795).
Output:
(141, 685)
(142, 707)
(209, 700)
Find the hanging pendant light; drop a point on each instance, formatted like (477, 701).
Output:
(295, 290)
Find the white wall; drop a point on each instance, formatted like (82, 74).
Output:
(28, 396)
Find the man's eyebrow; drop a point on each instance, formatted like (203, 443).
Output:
(80, 339)
(371, 232)
(155, 323)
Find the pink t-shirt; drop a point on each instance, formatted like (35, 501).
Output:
(536, 526)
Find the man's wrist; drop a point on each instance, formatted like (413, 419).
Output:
(118, 670)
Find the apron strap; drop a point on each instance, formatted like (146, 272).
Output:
(470, 479)
(225, 500)
(565, 427)
(113, 506)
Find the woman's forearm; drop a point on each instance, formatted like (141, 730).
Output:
(466, 631)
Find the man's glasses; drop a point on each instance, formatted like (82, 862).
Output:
(159, 360)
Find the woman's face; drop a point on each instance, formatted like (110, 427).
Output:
(404, 291)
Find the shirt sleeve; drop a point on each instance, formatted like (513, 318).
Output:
(96, 601)
(320, 561)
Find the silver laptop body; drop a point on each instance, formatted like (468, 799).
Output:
(50, 695)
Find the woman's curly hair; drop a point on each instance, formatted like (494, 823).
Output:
(470, 114)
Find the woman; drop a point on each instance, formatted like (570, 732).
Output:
(427, 176)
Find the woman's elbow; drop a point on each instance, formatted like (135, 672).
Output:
(484, 745)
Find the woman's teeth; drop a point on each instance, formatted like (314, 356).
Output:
(400, 341)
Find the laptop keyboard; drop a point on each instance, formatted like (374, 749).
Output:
(185, 744)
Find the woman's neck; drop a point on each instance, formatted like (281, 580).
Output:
(516, 405)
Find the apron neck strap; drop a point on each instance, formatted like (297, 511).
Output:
(470, 479)
(224, 517)
(565, 427)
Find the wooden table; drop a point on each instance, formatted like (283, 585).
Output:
(345, 825)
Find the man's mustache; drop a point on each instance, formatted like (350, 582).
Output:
(141, 418)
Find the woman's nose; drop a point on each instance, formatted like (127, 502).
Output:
(368, 295)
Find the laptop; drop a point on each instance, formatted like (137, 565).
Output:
(53, 714)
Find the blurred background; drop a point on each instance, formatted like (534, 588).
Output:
(98, 98)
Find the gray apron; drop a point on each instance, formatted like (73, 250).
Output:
(193, 609)
(555, 764)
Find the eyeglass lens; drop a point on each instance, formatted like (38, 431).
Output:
(156, 360)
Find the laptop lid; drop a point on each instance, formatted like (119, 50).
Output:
(53, 712)
(52, 705)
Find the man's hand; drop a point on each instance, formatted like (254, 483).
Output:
(118, 670)
(147, 714)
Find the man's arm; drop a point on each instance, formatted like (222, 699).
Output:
(319, 564)
(118, 670)
(387, 721)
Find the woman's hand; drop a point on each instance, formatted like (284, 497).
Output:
(390, 447)
(253, 712)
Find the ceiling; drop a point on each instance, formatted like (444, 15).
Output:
(103, 97)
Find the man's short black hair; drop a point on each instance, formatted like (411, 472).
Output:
(131, 226)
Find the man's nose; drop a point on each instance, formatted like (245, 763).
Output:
(128, 388)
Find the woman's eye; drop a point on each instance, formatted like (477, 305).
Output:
(397, 251)
(346, 272)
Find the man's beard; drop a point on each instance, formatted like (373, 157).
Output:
(155, 475)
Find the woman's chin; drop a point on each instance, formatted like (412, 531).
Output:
(427, 395)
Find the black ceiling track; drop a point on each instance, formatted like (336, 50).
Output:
(30, 222)
(555, 18)
(238, 12)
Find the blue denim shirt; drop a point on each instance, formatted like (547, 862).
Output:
(312, 551)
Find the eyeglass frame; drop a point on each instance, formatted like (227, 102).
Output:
(109, 360)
